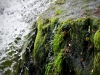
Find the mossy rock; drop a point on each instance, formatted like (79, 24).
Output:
(97, 39)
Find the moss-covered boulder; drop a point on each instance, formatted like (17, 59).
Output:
(70, 40)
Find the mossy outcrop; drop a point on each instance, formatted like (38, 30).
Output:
(70, 48)
(61, 47)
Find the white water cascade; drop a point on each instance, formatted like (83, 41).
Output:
(16, 16)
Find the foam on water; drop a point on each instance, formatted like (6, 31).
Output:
(16, 16)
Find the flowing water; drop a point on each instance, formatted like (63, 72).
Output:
(16, 16)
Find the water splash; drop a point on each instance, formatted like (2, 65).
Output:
(16, 17)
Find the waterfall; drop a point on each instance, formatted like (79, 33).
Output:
(16, 17)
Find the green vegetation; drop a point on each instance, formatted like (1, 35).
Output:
(58, 62)
(56, 67)
(54, 22)
(97, 62)
(59, 12)
(97, 39)
(58, 39)
(40, 38)
(60, 1)
(74, 32)
(97, 53)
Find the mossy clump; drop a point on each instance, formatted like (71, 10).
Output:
(55, 67)
(40, 37)
(49, 70)
(97, 39)
(58, 63)
(54, 22)
(42, 44)
(58, 39)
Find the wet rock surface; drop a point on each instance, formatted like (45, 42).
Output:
(61, 41)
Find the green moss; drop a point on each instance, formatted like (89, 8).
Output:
(77, 30)
(54, 38)
(54, 22)
(96, 21)
(59, 12)
(46, 26)
(49, 69)
(58, 63)
(97, 62)
(39, 39)
(26, 72)
(11, 53)
(8, 72)
(68, 22)
(7, 63)
(60, 1)
(97, 39)
(58, 39)
(55, 68)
